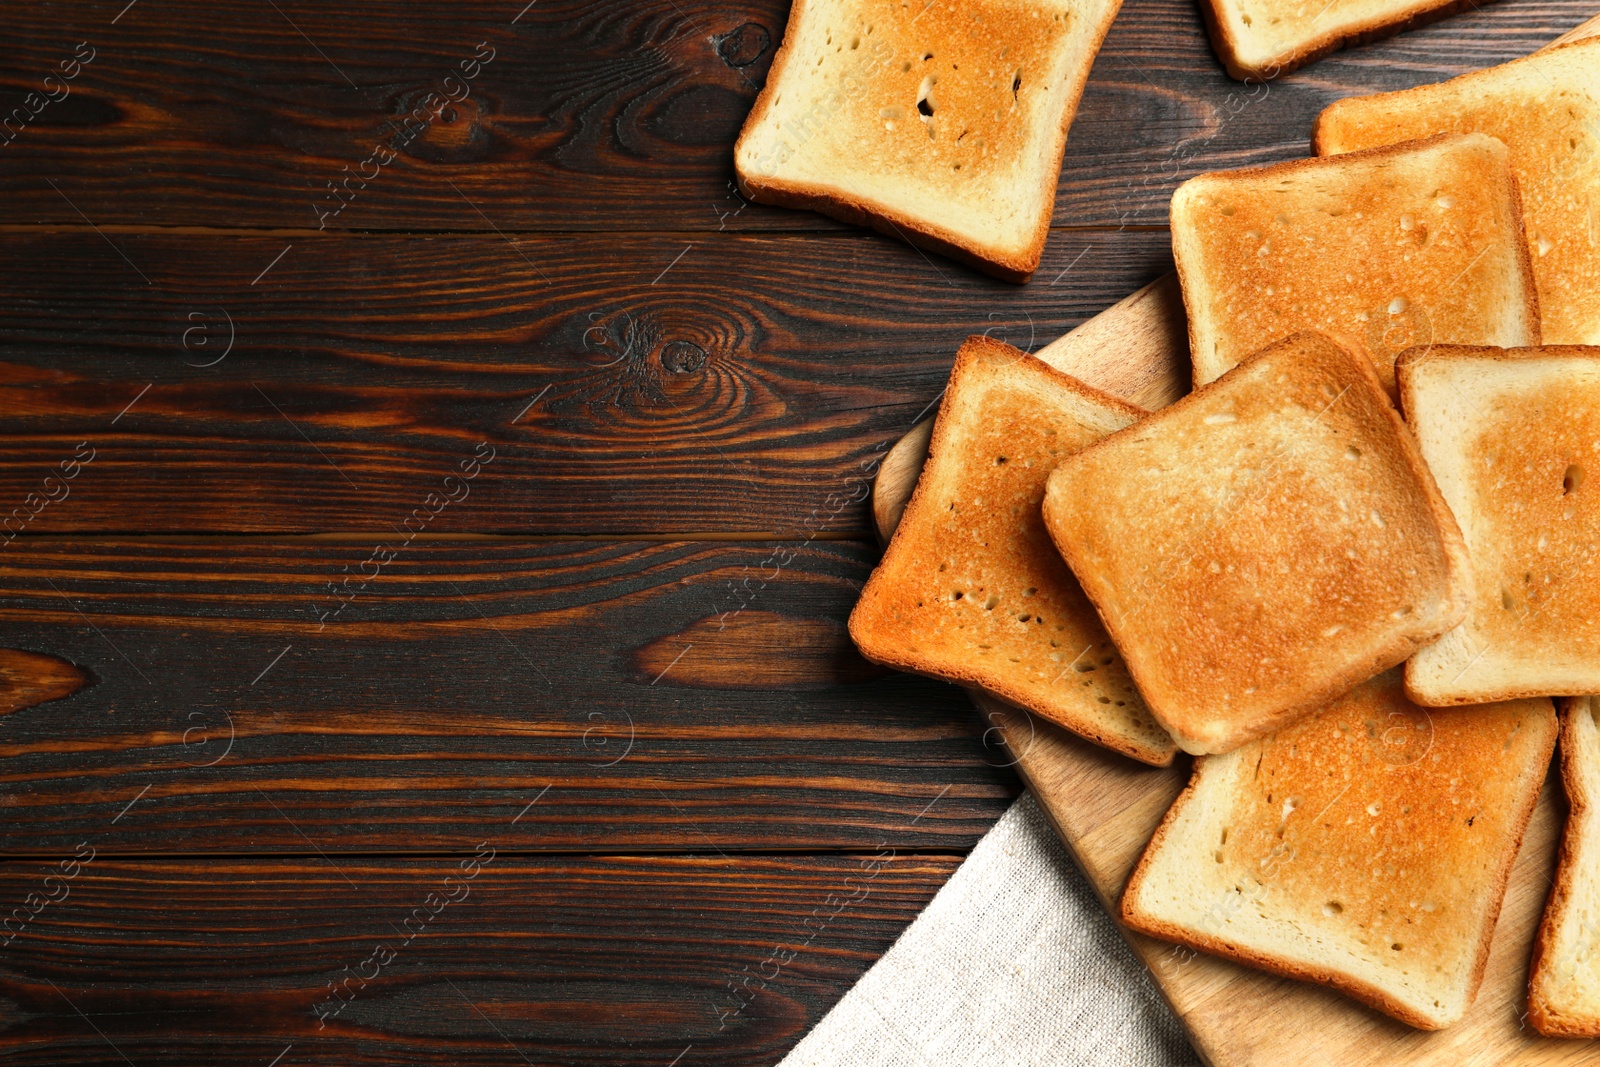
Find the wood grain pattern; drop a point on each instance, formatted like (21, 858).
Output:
(1105, 807)
(577, 960)
(620, 116)
(236, 706)
(748, 388)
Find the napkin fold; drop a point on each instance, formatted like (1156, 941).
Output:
(1013, 963)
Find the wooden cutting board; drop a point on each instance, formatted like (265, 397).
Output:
(1105, 806)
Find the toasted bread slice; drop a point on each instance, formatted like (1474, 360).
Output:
(1262, 545)
(971, 590)
(1511, 436)
(1564, 977)
(1366, 847)
(1546, 108)
(940, 123)
(1379, 249)
(1261, 39)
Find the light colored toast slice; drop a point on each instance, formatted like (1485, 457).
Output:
(1257, 40)
(1546, 108)
(1512, 436)
(939, 122)
(1262, 545)
(1379, 249)
(1564, 977)
(1366, 848)
(970, 588)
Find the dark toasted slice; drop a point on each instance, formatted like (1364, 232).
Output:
(1383, 249)
(1366, 847)
(1511, 436)
(970, 588)
(1262, 545)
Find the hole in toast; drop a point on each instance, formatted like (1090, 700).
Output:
(1085, 668)
(1506, 600)
(1352, 452)
(957, 595)
(1332, 907)
(1571, 479)
(1032, 589)
(1000, 461)
(855, 42)
(989, 605)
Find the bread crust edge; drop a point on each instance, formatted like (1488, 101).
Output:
(1541, 1016)
(1225, 45)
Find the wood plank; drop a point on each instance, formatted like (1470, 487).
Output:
(593, 960)
(748, 388)
(235, 705)
(588, 116)
(1105, 808)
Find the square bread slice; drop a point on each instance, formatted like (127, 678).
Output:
(970, 588)
(1263, 545)
(1261, 39)
(1546, 108)
(1379, 249)
(1564, 977)
(938, 122)
(1366, 848)
(1511, 436)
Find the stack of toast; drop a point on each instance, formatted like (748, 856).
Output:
(1347, 573)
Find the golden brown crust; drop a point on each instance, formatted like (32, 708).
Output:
(1015, 267)
(889, 646)
(1165, 688)
(1499, 871)
(1293, 58)
(1541, 1015)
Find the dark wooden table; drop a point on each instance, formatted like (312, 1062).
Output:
(454, 520)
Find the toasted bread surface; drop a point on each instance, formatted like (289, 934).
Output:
(1261, 39)
(1511, 436)
(1262, 545)
(942, 123)
(1546, 108)
(1366, 847)
(1564, 977)
(970, 588)
(1380, 249)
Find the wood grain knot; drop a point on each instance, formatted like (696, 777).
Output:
(682, 357)
(743, 46)
(754, 650)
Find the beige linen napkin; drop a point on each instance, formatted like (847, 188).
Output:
(1013, 963)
